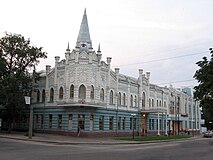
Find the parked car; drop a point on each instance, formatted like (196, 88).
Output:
(208, 134)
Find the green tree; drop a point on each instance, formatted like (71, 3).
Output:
(17, 59)
(204, 90)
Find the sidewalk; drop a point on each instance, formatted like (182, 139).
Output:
(68, 140)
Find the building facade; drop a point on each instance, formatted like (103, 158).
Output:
(82, 92)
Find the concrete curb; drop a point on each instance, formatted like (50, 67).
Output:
(119, 142)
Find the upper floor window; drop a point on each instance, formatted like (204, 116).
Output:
(143, 99)
(111, 97)
(72, 91)
(43, 95)
(135, 101)
(51, 94)
(82, 92)
(92, 93)
(124, 99)
(61, 93)
(38, 96)
(131, 101)
(119, 98)
(102, 95)
(153, 103)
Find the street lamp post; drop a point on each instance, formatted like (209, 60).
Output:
(210, 124)
(27, 101)
(133, 127)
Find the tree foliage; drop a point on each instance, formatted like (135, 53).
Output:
(17, 59)
(204, 90)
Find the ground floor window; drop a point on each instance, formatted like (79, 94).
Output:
(150, 124)
(124, 123)
(91, 122)
(42, 121)
(153, 122)
(134, 123)
(110, 123)
(81, 121)
(60, 121)
(70, 122)
(36, 121)
(119, 123)
(101, 123)
(130, 123)
(50, 120)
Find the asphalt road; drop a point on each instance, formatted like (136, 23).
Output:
(200, 149)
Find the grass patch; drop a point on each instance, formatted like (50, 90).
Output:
(151, 138)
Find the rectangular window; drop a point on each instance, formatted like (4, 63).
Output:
(124, 123)
(42, 121)
(134, 123)
(157, 124)
(186, 127)
(119, 123)
(101, 123)
(50, 120)
(160, 124)
(153, 123)
(81, 121)
(130, 123)
(91, 122)
(110, 123)
(60, 121)
(70, 122)
(36, 120)
(150, 124)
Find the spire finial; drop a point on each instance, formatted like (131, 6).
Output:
(99, 50)
(85, 11)
(68, 47)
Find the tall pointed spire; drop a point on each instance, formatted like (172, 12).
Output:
(68, 47)
(84, 35)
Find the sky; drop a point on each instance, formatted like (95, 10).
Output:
(164, 37)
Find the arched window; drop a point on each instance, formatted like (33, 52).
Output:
(131, 101)
(153, 103)
(124, 99)
(61, 93)
(82, 92)
(43, 95)
(160, 103)
(72, 91)
(111, 97)
(119, 98)
(135, 101)
(102, 95)
(38, 96)
(143, 99)
(92, 93)
(157, 103)
(51, 95)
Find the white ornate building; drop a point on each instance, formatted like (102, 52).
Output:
(82, 91)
